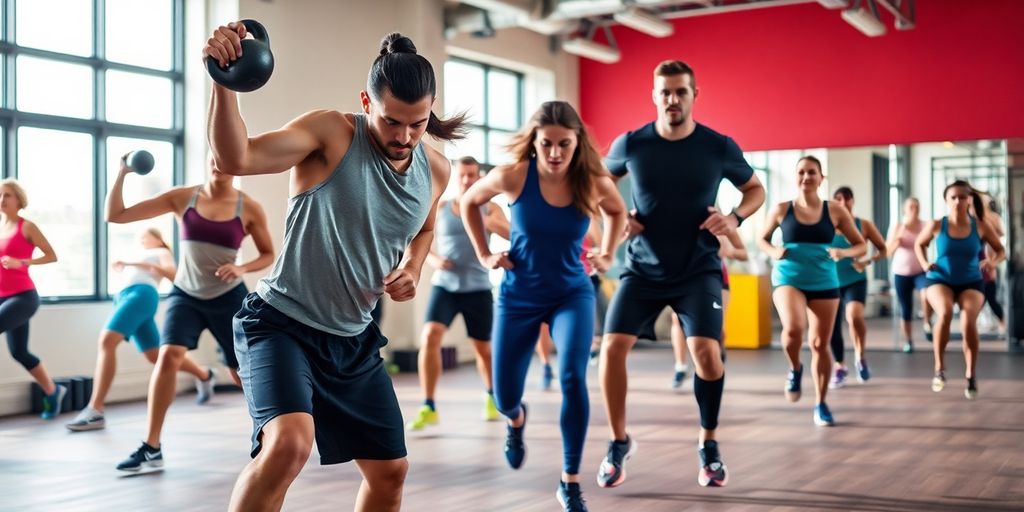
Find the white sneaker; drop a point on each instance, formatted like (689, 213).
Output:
(204, 388)
(88, 419)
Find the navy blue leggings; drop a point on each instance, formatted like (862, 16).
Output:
(516, 327)
(993, 300)
(15, 311)
(906, 287)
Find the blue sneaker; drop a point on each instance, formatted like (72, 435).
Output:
(712, 471)
(612, 471)
(678, 379)
(863, 372)
(570, 496)
(515, 448)
(838, 378)
(823, 416)
(146, 457)
(793, 384)
(52, 403)
(545, 380)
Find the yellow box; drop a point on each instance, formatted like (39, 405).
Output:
(748, 322)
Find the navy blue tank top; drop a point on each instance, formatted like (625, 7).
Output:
(546, 245)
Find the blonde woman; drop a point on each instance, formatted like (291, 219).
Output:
(19, 300)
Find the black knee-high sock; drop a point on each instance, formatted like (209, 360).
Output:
(838, 351)
(709, 399)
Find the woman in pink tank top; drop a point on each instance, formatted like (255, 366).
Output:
(907, 272)
(18, 298)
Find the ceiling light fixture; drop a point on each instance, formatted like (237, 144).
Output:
(644, 21)
(865, 18)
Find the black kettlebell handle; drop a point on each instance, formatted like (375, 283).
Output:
(257, 30)
(229, 77)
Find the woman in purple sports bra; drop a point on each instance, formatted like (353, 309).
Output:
(213, 219)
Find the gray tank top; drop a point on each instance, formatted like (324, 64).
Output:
(343, 236)
(467, 274)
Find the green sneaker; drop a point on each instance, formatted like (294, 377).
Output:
(425, 416)
(491, 409)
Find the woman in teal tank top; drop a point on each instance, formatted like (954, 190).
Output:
(853, 291)
(954, 277)
(806, 285)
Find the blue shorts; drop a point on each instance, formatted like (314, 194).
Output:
(288, 367)
(698, 303)
(134, 309)
(188, 316)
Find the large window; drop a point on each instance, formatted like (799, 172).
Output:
(493, 98)
(84, 82)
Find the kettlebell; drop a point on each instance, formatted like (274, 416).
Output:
(141, 162)
(253, 68)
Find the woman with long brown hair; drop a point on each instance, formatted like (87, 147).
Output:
(557, 182)
(955, 276)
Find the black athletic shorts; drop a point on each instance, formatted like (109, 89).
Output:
(188, 316)
(959, 288)
(854, 292)
(477, 309)
(638, 301)
(288, 367)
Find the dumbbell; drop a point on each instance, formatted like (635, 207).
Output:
(140, 162)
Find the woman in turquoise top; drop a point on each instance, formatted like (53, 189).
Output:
(853, 291)
(955, 275)
(806, 285)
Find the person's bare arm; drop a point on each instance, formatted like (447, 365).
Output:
(990, 236)
(923, 240)
(844, 223)
(613, 220)
(893, 242)
(501, 179)
(764, 242)
(496, 222)
(257, 228)
(34, 235)
(873, 235)
(733, 246)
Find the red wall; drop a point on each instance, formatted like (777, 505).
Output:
(799, 76)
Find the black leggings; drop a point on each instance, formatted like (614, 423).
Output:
(992, 300)
(15, 311)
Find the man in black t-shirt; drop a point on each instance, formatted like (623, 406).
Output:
(672, 258)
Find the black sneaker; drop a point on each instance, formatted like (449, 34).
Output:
(613, 468)
(515, 448)
(793, 384)
(146, 457)
(570, 496)
(972, 389)
(712, 471)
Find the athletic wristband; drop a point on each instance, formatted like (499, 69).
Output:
(739, 218)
